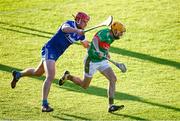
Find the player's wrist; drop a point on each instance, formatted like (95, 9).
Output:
(79, 31)
(99, 53)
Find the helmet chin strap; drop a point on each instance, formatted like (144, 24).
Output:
(115, 36)
(79, 21)
(78, 24)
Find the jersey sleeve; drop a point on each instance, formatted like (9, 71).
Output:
(82, 38)
(66, 24)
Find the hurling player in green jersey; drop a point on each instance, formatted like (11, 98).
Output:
(97, 60)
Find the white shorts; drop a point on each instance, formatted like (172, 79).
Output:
(91, 67)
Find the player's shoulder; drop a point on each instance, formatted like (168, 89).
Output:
(103, 31)
(70, 22)
(104, 34)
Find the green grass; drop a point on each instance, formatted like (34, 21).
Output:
(150, 49)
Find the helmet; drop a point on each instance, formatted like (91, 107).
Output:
(82, 16)
(118, 27)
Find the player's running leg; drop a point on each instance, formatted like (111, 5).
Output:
(64, 78)
(113, 108)
(27, 72)
(109, 74)
(78, 81)
(49, 67)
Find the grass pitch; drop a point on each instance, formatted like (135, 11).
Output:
(150, 49)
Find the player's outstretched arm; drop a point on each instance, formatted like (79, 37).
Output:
(68, 29)
(96, 45)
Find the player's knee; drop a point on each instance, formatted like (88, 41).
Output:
(38, 74)
(50, 78)
(113, 79)
(85, 86)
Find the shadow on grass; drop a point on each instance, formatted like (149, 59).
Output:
(98, 91)
(129, 116)
(70, 117)
(60, 118)
(25, 28)
(145, 57)
(23, 32)
(21, 29)
(78, 117)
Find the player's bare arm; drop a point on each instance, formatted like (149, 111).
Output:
(108, 55)
(96, 45)
(85, 44)
(68, 29)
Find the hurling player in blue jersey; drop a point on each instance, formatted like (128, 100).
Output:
(68, 33)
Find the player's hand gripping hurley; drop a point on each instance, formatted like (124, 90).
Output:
(107, 22)
(121, 66)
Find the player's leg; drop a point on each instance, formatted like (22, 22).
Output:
(27, 72)
(49, 67)
(107, 71)
(109, 74)
(78, 81)
(84, 83)
(34, 71)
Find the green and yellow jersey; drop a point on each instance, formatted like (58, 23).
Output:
(104, 41)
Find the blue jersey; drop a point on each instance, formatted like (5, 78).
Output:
(60, 42)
